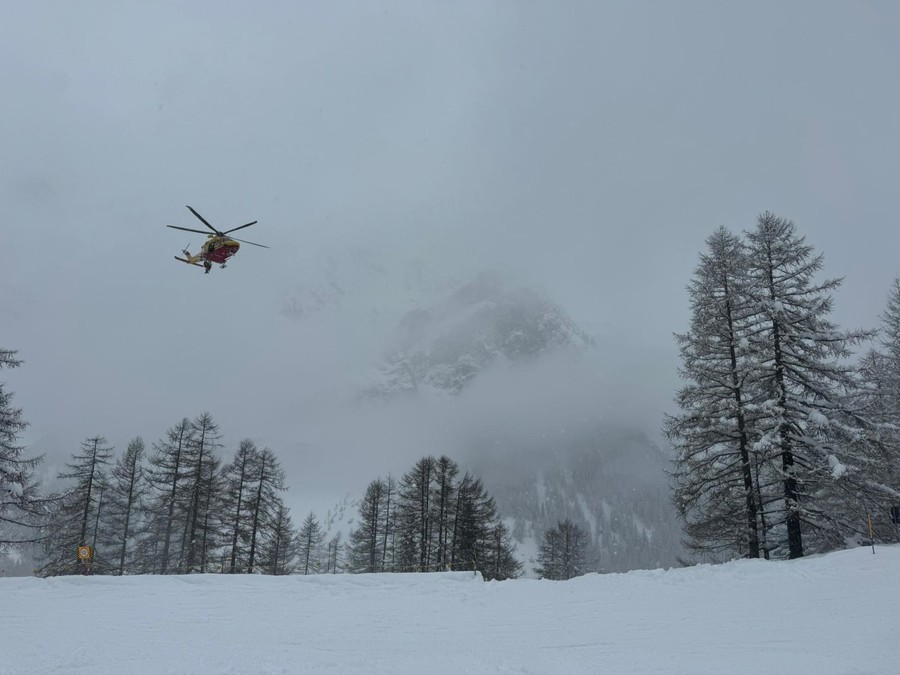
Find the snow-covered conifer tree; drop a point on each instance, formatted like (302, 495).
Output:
(390, 517)
(439, 524)
(237, 503)
(21, 506)
(282, 548)
(442, 508)
(500, 561)
(212, 511)
(75, 520)
(562, 553)
(880, 370)
(268, 481)
(366, 544)
(126, 493)
(168, 502)
(881, 367)
(474, 515)
(202, 466)
(713, 435)
(812, 438)
(309, 545)
(414, 527)
(334, 555)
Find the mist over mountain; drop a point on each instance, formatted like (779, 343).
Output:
(362, 279)
(609, 481)
(447, 345)
(500, 378)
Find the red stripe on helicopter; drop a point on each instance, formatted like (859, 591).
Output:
(223, 253)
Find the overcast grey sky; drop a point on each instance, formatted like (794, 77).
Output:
(586, 147)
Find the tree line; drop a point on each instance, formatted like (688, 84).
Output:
(173, 510)
(431, 519)
(178, 508)
(787, 442)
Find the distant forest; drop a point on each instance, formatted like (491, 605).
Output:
(180, 509)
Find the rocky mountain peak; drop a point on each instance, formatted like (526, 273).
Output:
(485, 320)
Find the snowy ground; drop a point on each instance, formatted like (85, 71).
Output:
(838, 613)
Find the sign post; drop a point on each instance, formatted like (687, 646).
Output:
(871, 532)
(85, 555)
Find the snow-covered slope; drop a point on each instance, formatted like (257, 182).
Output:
(827, 614)
(447, 345)
(609, 481)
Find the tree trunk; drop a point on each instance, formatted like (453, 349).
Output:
(256, 510)
(752, 532)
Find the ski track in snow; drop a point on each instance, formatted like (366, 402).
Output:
(827, 614)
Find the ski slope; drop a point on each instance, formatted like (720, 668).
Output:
(837, 613)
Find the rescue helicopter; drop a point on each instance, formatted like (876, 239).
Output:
(217, 249)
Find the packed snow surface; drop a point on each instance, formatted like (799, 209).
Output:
(828, 614)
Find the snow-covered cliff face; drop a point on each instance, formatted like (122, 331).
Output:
(445, 346)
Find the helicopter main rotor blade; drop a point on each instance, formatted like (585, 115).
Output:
(244, 241)
(235, 229)
(187, 229)
(205, 222)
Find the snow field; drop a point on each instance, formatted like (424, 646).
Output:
(837, 613)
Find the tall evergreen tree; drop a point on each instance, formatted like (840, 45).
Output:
(366, 545)
(238, 485)
(212, 507)
(890, 331)
(282, 548)
(22, 508)
(881, 366)
(474, 516)
(168, 478)
(202, 465)
(390, 510)
(500, 555)
(714, 435)
(809, 429)
(334, 555)
(269, 477)
(89, 470)
(74, 524)
(562, 553)
(125, 502)
(442, 503)
(309, 545)
(880, 370)
(414, 522)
